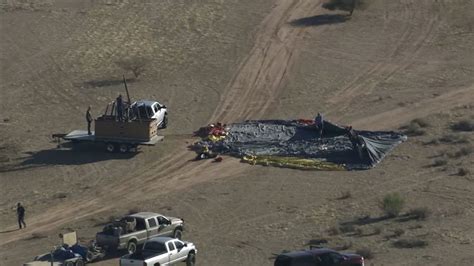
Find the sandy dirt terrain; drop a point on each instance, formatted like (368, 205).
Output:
(387, 64)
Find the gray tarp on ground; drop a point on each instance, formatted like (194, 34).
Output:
(291, 138)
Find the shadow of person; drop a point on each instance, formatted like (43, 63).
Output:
(9, 231)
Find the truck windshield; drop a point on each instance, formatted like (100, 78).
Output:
(155, 247)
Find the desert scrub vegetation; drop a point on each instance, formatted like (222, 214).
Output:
(136, 65)
(345, 195)
(463, 172)
(419, 213)
(440, 162)
(410, 243)
(463, 125)
(420, 122)
(454, 139)
(464, 151)
(392, 204)
(416, 127)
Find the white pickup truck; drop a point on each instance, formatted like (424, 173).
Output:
(160, 251)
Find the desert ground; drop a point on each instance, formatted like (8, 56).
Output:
(402, 65)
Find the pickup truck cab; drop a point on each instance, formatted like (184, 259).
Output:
(160, 251)
(135, 229)
(151, 109)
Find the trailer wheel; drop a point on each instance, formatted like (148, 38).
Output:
(79, 262)
(110, 147)
(123, 148)
(68, 263)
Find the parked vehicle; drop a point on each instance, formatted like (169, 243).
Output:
(133, 230)
(61, 256)
(162, 251)
(152, 110)
(69, 253)
(318, 257)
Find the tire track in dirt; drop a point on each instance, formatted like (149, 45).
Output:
(277, 40)
(414, 38)
(398, 116)
(262, 74)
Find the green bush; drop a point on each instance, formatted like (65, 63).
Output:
(392, 204)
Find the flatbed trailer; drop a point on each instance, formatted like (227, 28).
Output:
(112, 144)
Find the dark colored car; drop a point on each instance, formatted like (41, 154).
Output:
(318, 257)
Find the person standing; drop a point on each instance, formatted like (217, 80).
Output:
(119, 102)
(89, 120)
(20, 212)
(319, 121)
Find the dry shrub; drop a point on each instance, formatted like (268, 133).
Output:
(463, 172)
(377, 231)
(345, 195)
(464, 151)
(463, 125)
(414, 129)
(392, 204)
(333, 231)
(420, 122)
(359, 231)
(365, 252)
(454, 139)
(60, 195)
(420, 213)
(410, 243)
(136, 65)
(440, 162)
(398, 232)
(348, 228)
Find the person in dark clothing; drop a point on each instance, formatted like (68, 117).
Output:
(20, 212)
(119, 103)
(319, 121)
(89, 120)
(357, 144)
